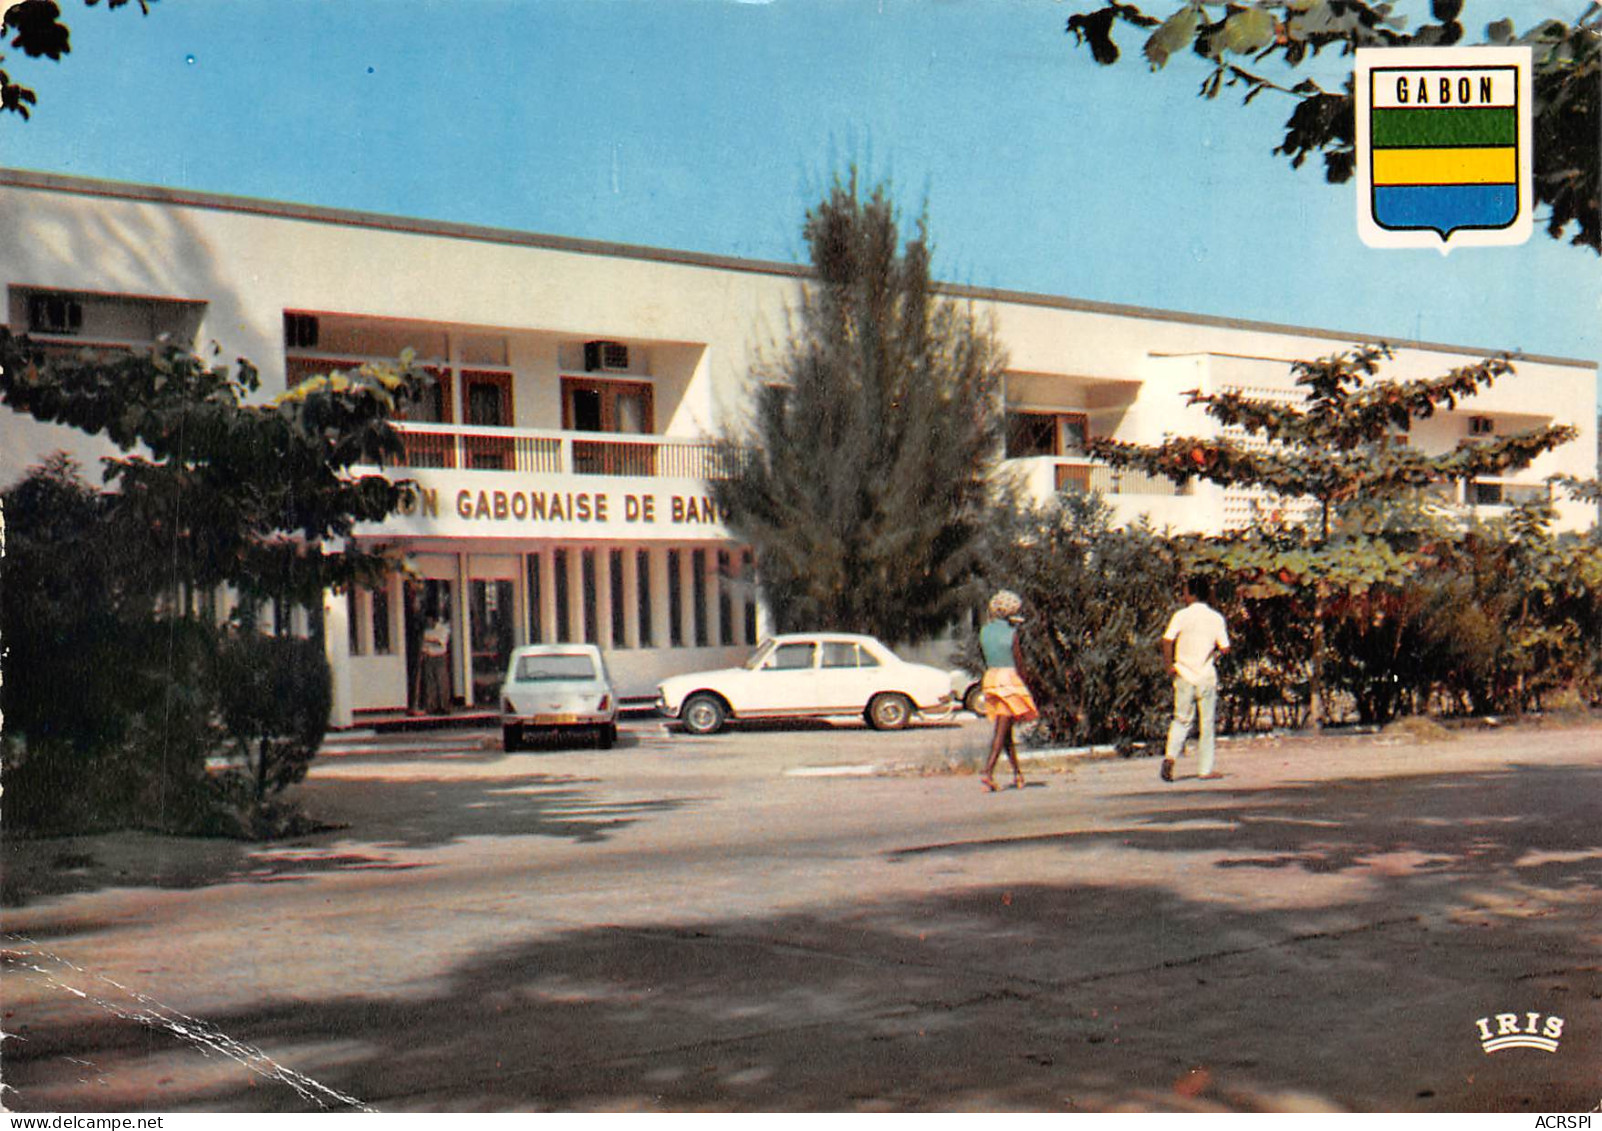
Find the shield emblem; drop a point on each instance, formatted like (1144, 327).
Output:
(1443, 146)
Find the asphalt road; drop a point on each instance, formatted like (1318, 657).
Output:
(834, 919)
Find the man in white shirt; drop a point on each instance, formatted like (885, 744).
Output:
(1195, 635)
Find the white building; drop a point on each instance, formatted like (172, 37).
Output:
(562, 466)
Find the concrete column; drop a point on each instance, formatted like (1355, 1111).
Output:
(687, 593)
(547, 558)
(603, 597)
(714, 607)
(575, 594)
(661, 621)
(336, 646)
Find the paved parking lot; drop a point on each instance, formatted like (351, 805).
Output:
(831, 918)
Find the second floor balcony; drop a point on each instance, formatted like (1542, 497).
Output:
(537, 451)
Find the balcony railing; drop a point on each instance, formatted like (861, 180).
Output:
(532, 452)
(1088, 476)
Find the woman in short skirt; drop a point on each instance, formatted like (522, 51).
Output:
(1007, 698)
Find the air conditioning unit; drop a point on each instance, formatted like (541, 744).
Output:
(606, 357)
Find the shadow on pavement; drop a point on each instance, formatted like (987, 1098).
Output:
(413, 814)
(1469, 896)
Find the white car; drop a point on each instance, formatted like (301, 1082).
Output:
(809, 675)
(557, 687)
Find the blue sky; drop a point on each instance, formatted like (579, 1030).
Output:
(712, 124)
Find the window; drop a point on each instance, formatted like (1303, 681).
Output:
(847, 654)
(698, 595)
(620, 610)
(564, 616)
(534, 593)
(1047, 434)
(587, 574)
(590, 405)
(1031, 434)
(353, 621)
(675, 600)
(748, 561)
(620, 407)
(1482, 426)
(839, 654)
(557, 666)
(725, 599)
(378, 599)
(1482, 494)
(791, 657)
(300, 331)
(642, 573)
(487, 402)
(104, 321)
(435, 405)
(51, 313)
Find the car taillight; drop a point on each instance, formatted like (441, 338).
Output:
(605, 704)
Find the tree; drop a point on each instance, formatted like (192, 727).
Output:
(36, 29)
(861, 478)
(239, 492)
(1335, 448)
(1237, 38)
(119, 685)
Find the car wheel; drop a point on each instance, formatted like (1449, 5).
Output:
(703, 714)
(974, 699)
(889, 711)
(606, 736)
(512, 738)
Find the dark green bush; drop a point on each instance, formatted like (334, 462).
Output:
(1096, 601)
(275, 694)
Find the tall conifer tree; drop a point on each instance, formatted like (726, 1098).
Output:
(861, 479)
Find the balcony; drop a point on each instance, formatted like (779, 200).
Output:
(1089, 476)
(536, 452)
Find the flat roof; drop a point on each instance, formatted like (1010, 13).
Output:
(312, 213)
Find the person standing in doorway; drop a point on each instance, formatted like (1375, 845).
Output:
(1007, 698)
(1196, 634)
(435, 697)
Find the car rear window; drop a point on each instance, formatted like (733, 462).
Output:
(531, 669)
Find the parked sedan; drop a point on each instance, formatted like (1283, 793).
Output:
(557, 687)
(807, 676)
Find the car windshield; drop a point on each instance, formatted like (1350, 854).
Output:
(531, 669)
(759, 655)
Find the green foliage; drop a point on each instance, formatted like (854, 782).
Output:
(36, 29)
(1240, 41)
(1334, 446)
(234, 491)
(275, 694)
(116, 697)
(1096, 601)
(860, 479)
(1350, 576)
(119, 714)
(107, 716)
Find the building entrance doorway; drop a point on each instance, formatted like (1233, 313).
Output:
(427, 601)
(492, 620)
